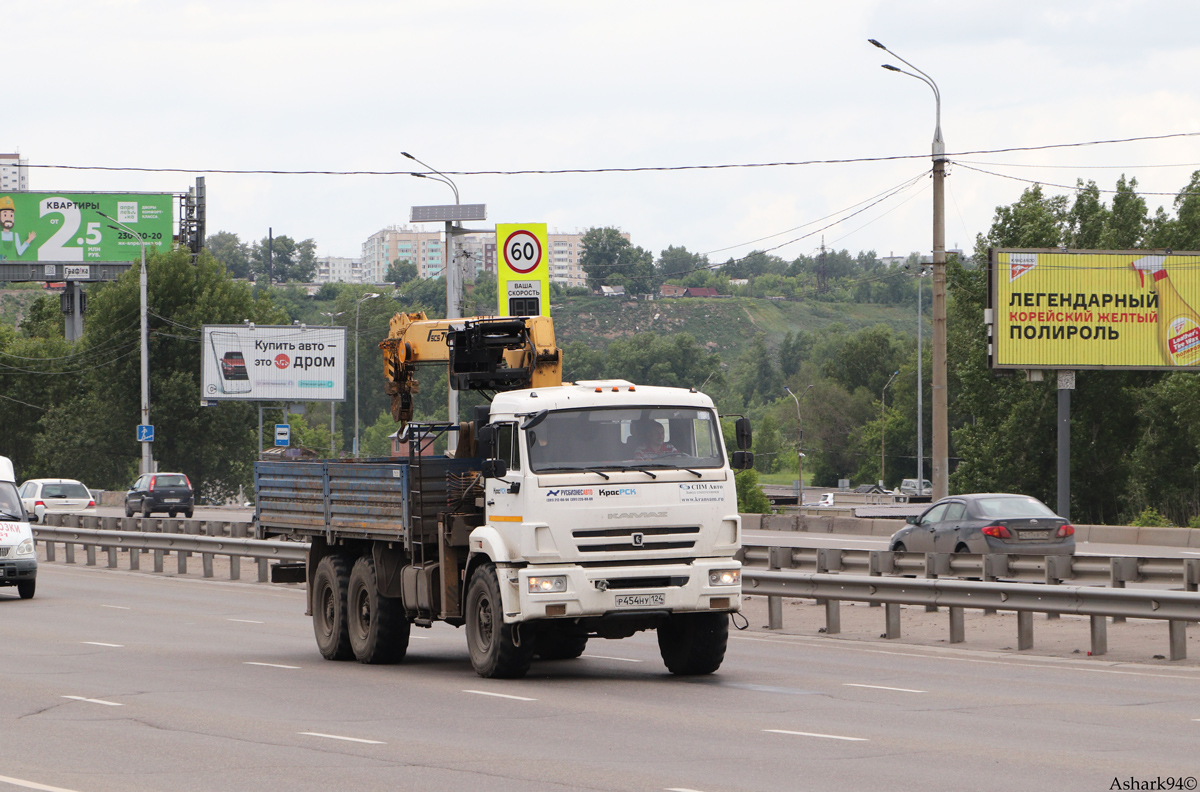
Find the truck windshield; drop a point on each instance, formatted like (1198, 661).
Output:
(652, 438)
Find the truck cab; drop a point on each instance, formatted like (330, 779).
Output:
(617, 501)
(18, 557)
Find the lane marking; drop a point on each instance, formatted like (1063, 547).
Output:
(1189, 552)
(269, 665)
(32, 785)
(606, 657)
(680, 789)
(98, 643)
(419, 637)
(881, 687)
(499, 695)
(115, 607)
(339, 737)
(246, 621)
(813, 734)
(94, 701)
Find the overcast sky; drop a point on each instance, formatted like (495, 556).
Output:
(475, 86)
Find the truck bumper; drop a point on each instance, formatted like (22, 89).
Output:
(17, 571)
(600, 591)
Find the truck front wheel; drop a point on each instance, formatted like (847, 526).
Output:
(693, 643)
(329, 608)
(498, 650)
(377, 625)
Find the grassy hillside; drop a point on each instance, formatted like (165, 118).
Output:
(723, 325)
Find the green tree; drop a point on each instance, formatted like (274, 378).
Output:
(609, 259)
(751, 499)
(1088, 219)
(1129, 221)
(90, 435)
(400, 272)
(289, 260)
(231, 251)
(675, 262)
(675, 361)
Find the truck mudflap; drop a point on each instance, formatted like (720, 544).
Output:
(568, 591)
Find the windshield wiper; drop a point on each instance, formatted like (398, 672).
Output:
(574, 469)
(661, 466)
(10, 516)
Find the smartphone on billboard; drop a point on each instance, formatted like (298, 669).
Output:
(235, 377)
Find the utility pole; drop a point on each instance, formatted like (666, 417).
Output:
(270, 257)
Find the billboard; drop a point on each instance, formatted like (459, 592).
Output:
(66, 228)
(523, 266)
(273, 363)
(1072, 309)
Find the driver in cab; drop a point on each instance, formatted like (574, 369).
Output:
(652, 445)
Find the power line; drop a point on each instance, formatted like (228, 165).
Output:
(1061, 186)
(635, 169)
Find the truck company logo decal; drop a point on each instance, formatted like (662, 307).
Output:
(8, 529)
(569, 494)
(702, 492)
(611, 491)
(635, 515)
(639, 539)
(436, 336)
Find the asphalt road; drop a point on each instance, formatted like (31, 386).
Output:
(117, 680)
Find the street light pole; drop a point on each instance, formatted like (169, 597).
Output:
(920, 387)
(453, 276)
(799, 443)
(357, 306)
(332, 405)
(147, 452)
(883, 428)
(941, 438)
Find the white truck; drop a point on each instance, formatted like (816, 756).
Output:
(18, 558)
(569, 512)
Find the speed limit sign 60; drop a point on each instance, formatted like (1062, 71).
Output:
(522, 251)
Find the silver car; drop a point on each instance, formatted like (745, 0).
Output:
(58, 496)
(987, 523)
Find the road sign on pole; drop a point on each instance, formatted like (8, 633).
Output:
(283, 435)
(524, 270)
(145, 433)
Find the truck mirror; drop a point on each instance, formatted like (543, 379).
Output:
(745, 437)
(494, 468)
(742, 460)
(485, 441)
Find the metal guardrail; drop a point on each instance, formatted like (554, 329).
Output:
(1177, 608)
(160, 544)
(1113, 571)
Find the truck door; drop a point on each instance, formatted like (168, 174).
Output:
(503, 494)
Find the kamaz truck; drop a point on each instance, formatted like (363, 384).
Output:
(559, 513)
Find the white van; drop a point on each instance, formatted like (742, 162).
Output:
(18, 558)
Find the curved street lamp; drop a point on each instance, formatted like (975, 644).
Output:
(941, 437)
(799, 443)
(357, 306)
(147, 452)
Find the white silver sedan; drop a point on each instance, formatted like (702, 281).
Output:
(58, 496)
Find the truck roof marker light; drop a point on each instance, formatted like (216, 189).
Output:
(632, 389)
(616, 389)
(599, 389)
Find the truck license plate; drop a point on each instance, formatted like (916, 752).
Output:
(1035, 534)
(640, 600)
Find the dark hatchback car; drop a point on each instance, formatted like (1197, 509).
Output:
(987, 523)
(160, 492)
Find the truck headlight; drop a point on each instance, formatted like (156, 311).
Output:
(25, 548)
(547, 585)
(724, 577)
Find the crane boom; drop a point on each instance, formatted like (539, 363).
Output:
(482, 353)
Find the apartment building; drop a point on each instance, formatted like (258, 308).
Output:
(337, 269)
(14, 173)
(423, 248)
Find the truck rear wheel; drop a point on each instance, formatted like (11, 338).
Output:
(693, 643)
(329, 608)
(496, 648)
(377, 626)
(563, 642)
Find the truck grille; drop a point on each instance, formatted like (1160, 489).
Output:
(630, 539)
(3, 552)
(647, 582)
